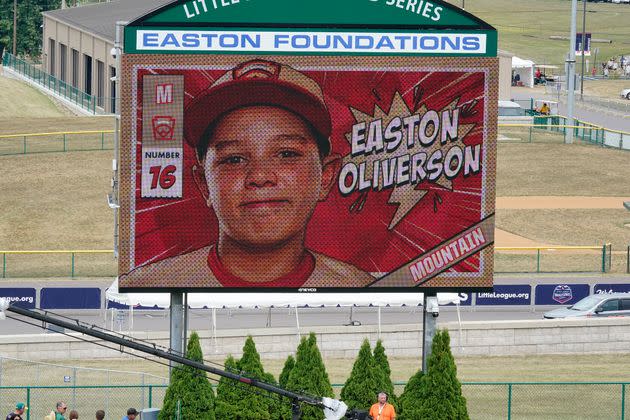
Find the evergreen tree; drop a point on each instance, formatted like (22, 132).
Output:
(190, 387)
(384, 382)
(236, 400)
(309, 376)
(285, 404)
(411, 398)
(289, 364)
(443, 397)
(228, 394)
(362, 386)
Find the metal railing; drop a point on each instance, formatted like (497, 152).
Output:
(72, 254)
(485, 400)
(91, 103)
(62, 141)
(559, 259)
(596, 258)
(582, 131)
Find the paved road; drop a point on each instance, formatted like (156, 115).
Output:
(585, 111)
(231, 319)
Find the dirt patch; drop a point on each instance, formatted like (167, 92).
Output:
(550, 202)
(504, 238)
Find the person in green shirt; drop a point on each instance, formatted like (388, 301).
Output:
(61, 410)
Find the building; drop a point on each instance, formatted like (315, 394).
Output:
(77, 44)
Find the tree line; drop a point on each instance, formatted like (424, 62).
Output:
(434, 395)
(29, 22)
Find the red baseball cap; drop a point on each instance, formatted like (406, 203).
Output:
(259, 82)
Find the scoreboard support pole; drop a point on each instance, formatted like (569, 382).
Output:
(178, 319)
(429, 326)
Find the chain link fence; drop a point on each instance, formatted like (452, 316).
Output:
(71, 141)
(485, 400)
(40, 385)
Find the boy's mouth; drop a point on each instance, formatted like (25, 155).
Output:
(264, 203)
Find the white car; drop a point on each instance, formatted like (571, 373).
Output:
(625, 94)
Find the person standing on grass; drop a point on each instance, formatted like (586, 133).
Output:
(16, 414)
(74, 415)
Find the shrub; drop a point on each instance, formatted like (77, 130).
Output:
(190, 387)
(309, 376)
(384, 382)
(411, 398)
(361, 388)
(236, 400)
(442, 392)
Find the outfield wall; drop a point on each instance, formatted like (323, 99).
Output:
(496, 338)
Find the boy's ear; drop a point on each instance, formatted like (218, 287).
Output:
(199, 177)
(330, 168)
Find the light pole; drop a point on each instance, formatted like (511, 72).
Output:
(583, 49)
(571, 74)
(14, 27)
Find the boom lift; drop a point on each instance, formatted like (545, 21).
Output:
(333, 409)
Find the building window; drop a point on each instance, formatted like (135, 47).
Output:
(75, 68)
(87, 72)
(63, 60)
(100, 83)
(51, 54)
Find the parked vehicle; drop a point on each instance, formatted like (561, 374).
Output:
(599, 305)
(512, 113)
(625, 93)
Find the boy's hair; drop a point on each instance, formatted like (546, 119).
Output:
(100, 415)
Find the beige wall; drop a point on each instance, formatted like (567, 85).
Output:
(495, 338)
(85, 43)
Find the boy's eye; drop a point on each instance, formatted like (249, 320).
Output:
(232, 160)
(289, 154)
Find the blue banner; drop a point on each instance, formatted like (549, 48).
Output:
(560, 294)
(70, 298)
(612, 288)
(22, 297)
(517, 294)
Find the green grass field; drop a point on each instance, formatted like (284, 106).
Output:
(31, 103)
(525, 27)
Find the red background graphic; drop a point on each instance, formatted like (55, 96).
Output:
(169, 227)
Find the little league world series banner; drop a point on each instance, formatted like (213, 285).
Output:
(370, 165)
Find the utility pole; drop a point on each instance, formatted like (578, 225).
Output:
(583, 49)
(571, 75)
(14, 27)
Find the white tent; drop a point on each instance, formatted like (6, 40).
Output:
(525, 70)
(268, 301)
(275, 300)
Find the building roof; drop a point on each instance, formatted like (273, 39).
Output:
(100, 18)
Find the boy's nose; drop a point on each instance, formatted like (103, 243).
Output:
(261, 173)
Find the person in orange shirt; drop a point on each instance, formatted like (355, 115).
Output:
(382, 410)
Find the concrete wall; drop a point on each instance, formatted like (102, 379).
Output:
(498, 338)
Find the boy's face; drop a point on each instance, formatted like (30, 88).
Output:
(265, 175)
